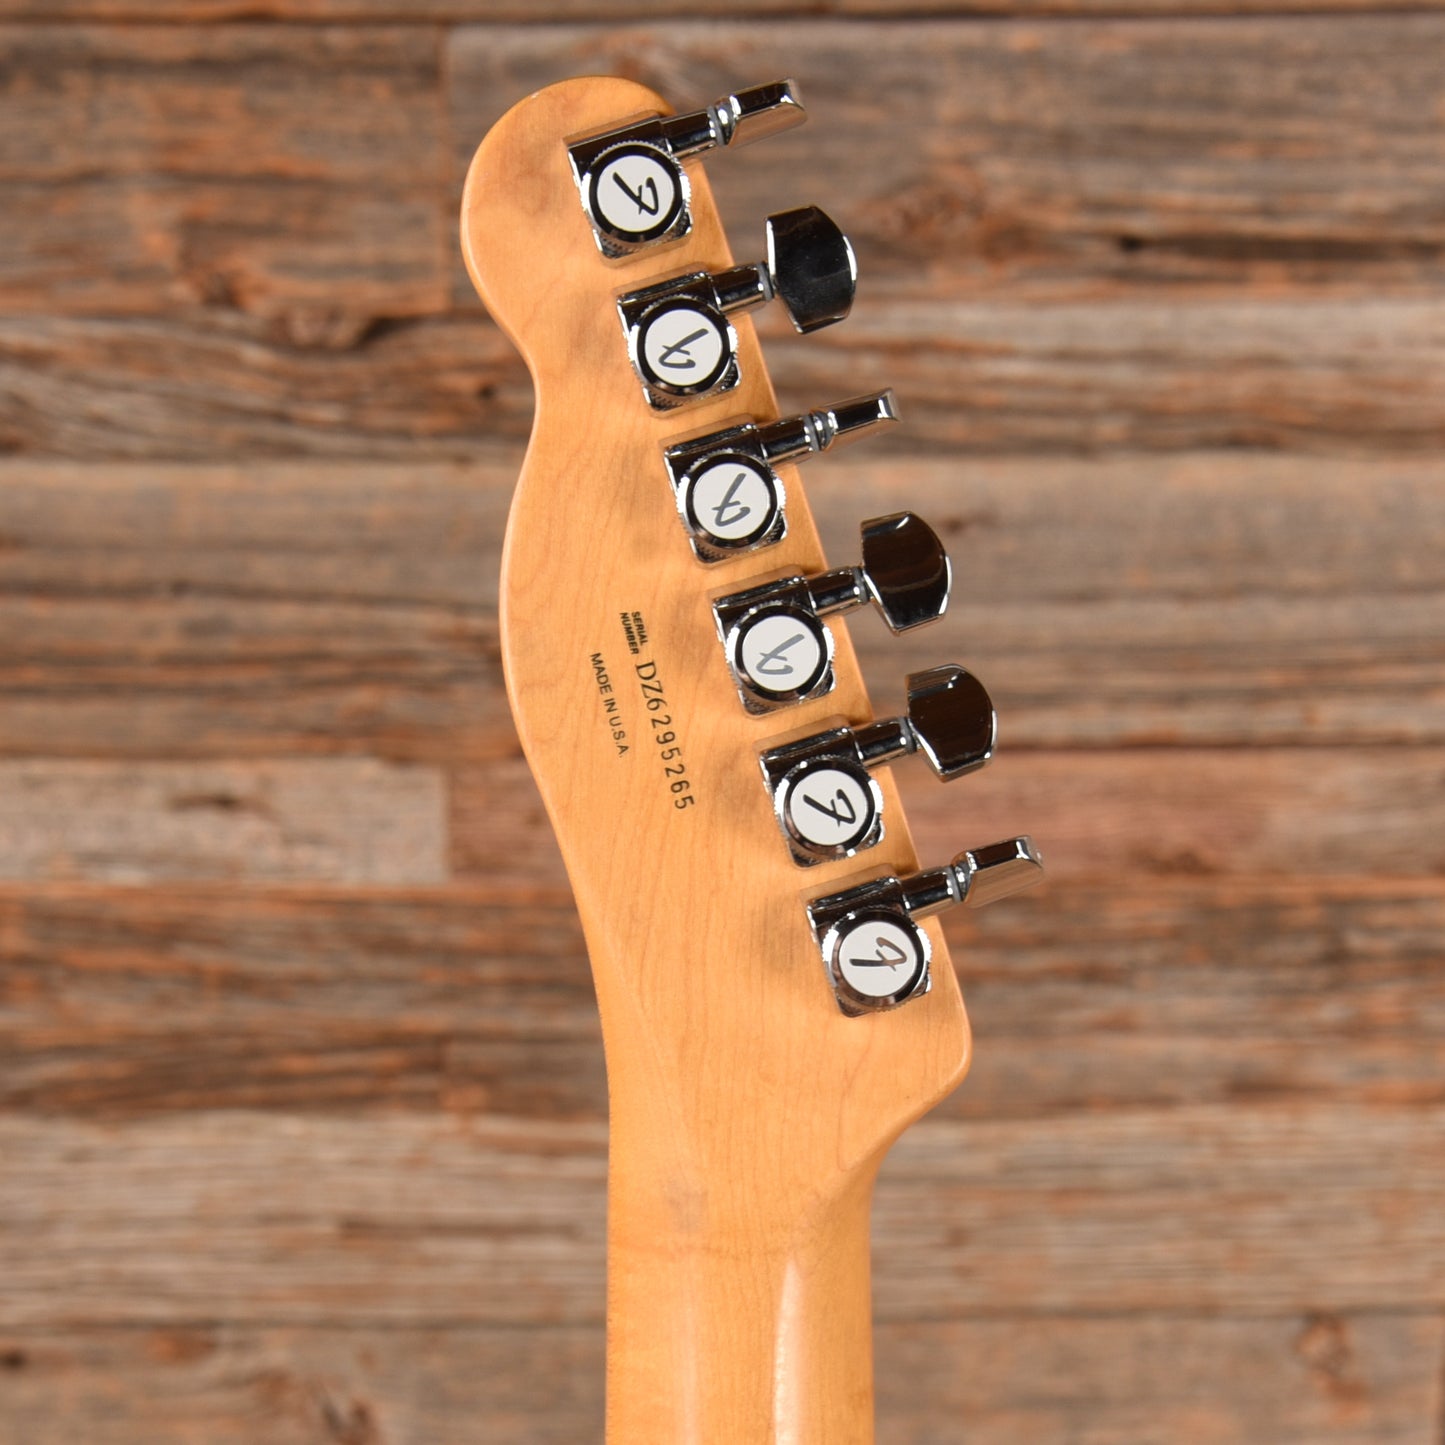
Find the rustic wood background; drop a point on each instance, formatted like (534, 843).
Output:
(301, 1093)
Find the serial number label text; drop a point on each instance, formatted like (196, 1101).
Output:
(664, 735)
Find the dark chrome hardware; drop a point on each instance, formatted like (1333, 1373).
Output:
(825, 799)
(634, 188)
(876, 955)
(950, 720)
(678, 334)
(777, 646)
(729, 494)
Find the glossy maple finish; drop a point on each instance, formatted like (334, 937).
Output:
(748, 1115)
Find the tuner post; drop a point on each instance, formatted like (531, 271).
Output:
(778, 648)
(681, 343)
(634, 187)
(825, 798)
(729, 494)
(873, 949)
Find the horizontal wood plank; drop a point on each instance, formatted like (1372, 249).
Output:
(120, 1001)
(1184, 812)
(406, 1218)
(338, 820)
(116, 1003)
(975, 378)
(1076, 237)
(1169, 601)
(1239, 991)
(1153, 375)
(554, 11)
(1316, 1380)
(211, 611)
(151, 168)
(1293, 1202)
(1033, 159)
(221, 383)
(1153, 812)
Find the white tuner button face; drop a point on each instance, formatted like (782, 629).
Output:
(879, 959)
(829, 807)
(782, 652)
(636, 193)
(683, 347)
(732, 500)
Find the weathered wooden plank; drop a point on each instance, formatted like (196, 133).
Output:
(1149, 373)
(208, 676)
(246, 1217)
(122, 1002)
(553, 11)
(1166, 811)
(125, 1000)
(427, 537)
(223, 384)
(1320, 1380)
(1156, 374)
(334, 820)
(1206, 529)
(1170, 601)
(204, 611)
(1062, 159)
(316, 259)
(1180, 992)
(272, 169)
(411, 1218)
(1235, 1201)
(1157, 1381)
(219, 612)
(167, 100)
(1075, 164)
(1155, 812)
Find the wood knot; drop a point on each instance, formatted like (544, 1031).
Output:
(352, 1424)
(1326, 1348)
(933, 214)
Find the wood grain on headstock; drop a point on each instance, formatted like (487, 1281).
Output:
(748, 1114)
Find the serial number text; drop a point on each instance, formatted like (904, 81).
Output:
(664, 735)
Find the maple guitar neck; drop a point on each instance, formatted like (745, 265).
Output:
(738, 1309)
(755, 1081)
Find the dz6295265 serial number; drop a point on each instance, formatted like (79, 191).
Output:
(664, 735)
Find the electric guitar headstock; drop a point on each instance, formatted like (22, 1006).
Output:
(777, 998)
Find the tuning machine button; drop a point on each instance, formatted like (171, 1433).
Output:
(729, 493)
(634, 188)
(777, 645)
(876, 954)
(678, 333)
(825, 798)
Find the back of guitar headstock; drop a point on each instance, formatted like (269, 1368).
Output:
(771, 982)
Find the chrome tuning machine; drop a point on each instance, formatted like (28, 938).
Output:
(634, 189)
(729, 493)
(876, 955)
(678, 334)
(827, 802)
(778, 648)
